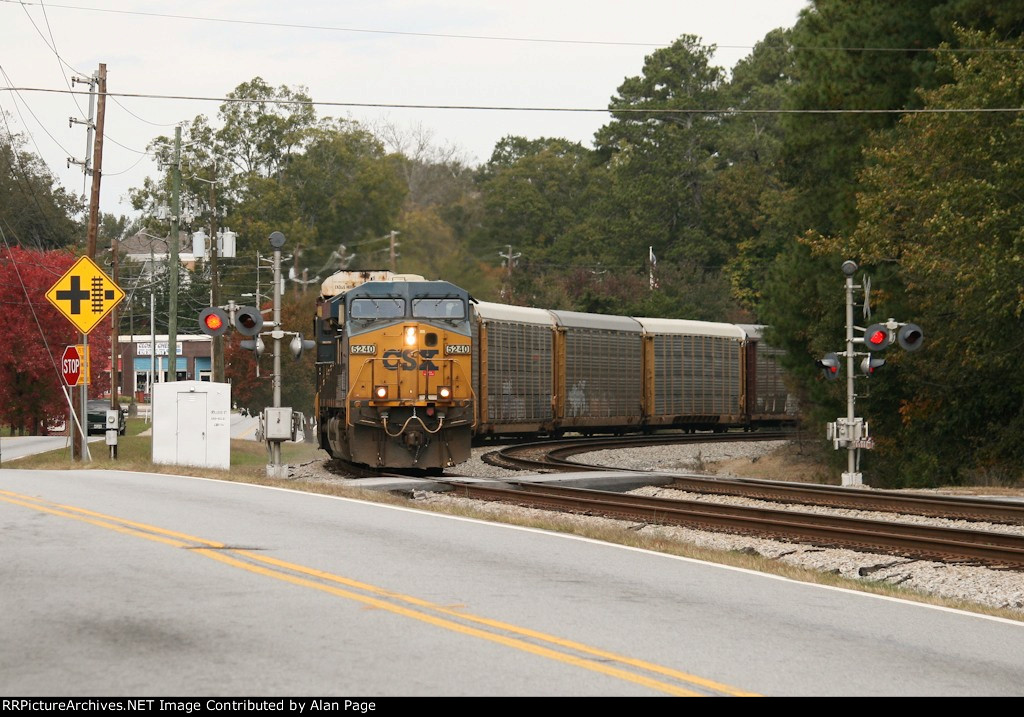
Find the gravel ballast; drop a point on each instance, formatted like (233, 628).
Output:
(982, 586)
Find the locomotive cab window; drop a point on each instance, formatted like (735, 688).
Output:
(378, 308)
(438, 308)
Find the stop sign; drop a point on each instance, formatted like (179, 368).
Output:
(71, 366)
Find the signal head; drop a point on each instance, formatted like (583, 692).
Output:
(910, 337)
(213, 321)
(870, 364)
(877, 337)
(248, 320)
(829, 363)
(255, 345)
(299, 344)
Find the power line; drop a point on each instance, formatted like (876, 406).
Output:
(25, 124)
(62, 63)
(333, 28)
(494, 38)
(52, 45)
(512, 108)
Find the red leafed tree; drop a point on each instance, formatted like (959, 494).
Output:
(33, 335)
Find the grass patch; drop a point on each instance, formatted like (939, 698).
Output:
(135, 453)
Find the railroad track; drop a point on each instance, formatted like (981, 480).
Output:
(950, 545)
(554, 456)
(915, 541)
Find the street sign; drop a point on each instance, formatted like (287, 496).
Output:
(74, 365)
(85, 294)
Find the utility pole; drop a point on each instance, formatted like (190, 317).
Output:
(80, 446)
(115, 345)
(77, 443)
(97, 163)
(392, 246)
(172, 319)
(510, 259)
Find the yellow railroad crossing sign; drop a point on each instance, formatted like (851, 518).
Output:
(85, 294)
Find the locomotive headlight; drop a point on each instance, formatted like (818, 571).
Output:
(381, 392)
(444, 392)
(410, 335)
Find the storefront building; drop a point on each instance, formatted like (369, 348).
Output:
(141, 366)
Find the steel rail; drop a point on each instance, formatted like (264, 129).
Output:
(556, 456)
(914, 541)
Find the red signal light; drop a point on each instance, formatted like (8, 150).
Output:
(213, 321)
(829, 363)
(877, 337)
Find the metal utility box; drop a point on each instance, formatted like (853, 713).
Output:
(192, 424)
(279, 424)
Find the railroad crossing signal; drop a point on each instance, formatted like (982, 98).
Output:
(877, 337)
(870, 364)
(829, 364)
(85, 294)
(214, 321)
(910, 337)
(74, 365)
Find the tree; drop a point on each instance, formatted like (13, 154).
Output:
(849, 56)
(536, 196)
(345, 190)
(31, 394)
(36, 212)
(263, 126)
(940, 210)
(746, 203)
(660, 151)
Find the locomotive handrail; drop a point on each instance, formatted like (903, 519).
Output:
(453, 366)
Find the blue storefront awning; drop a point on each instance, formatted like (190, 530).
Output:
(142, 365)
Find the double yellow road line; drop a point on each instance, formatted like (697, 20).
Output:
(656, 677)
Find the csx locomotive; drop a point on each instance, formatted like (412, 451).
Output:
(394, 375)
(411, 373)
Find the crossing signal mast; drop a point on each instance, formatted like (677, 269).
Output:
(851, 432)
(277, 423)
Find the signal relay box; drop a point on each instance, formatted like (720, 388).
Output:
(278, 424)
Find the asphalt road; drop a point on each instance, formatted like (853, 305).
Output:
(14, 447)
(141, 585)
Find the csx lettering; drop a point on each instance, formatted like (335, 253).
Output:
(426, 355)
(392, 356)
(394, 359)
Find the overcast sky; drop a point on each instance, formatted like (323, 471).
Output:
(482, 53)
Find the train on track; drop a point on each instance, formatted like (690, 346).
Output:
(412, 373)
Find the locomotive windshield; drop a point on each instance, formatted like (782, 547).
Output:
(434, 308)
(377, 308)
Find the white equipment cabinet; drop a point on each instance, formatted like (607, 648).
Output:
(192, 424)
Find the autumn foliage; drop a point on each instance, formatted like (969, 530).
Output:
(33, 335)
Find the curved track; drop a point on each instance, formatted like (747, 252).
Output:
(925, 542)
(553, 456)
